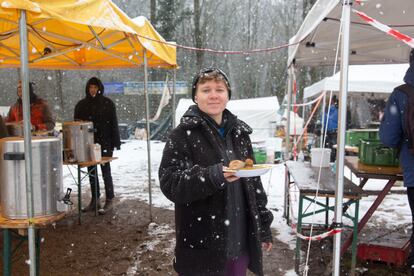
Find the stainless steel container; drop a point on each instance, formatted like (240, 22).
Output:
(47, 179)
(77, 138)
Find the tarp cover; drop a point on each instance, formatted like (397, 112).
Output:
(362, 79)
(318, 34)
(80, 34)
(258, 113)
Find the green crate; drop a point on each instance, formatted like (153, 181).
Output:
(354, 136)
(373, 152)
(259, 155)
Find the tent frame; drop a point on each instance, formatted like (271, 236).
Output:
(24, 76)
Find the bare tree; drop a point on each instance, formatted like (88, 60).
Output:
(153, 11)
(198, 33)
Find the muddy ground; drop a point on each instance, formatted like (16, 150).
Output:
(122, 242)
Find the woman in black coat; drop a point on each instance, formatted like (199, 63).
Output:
(221, 220)
(100, 110)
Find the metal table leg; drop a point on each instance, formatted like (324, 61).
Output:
(369, 213)
(354, 237)
(96, 189)
(286, 196)
(79, 196)
(298, 230)
(6, 252)
(37, 247)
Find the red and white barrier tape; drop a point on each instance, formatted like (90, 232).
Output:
(317, 237)
(309, 238)
(384, 28)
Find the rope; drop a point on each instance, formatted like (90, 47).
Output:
(323, 152)
(227, 52)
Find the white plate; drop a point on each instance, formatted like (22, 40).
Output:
(255, 171)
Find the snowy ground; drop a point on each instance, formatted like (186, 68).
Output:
(130, 177)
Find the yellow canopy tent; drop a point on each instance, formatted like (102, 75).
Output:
(74, 34)
(80, 34)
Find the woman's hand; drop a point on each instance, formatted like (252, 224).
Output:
(267, 246)
(229, 176)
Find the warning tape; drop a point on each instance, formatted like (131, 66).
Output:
(319, 237)
(384, 28)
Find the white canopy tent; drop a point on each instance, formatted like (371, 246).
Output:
(376, 79)
(316, 43)
(318, 35)
(258, 113)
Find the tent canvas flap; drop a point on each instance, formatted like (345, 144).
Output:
(318, 35)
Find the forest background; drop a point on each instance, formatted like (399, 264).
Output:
(231, 25)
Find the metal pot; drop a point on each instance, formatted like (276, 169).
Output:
(47, 181)
(77, 138)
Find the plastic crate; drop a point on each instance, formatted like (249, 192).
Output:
(373, 152)
(354, 136)
(260, 156)
(383, 253)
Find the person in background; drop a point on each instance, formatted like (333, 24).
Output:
(222, 222)
(331, 127)
(40, 115)
(101, 111)
(3, 128)
(393, 133)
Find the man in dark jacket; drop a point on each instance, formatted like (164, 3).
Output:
(221, 220)
(331, 127)
(393, 134)
(100, 110)
(3, 128)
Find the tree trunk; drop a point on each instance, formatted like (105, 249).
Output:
(198, 33)
(153, 12)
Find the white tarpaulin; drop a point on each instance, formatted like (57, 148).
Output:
(362, 79)
(318, 34)
(258, 113)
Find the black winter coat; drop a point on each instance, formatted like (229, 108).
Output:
(102, 112)
(191, 176)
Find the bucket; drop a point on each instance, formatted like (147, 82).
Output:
(77, 136)
(95, 151)
(320, 157)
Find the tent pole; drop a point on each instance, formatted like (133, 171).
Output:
(24, 77)
(147, 116)
(340, 153)
(288, 104)
(174, 123)
(323, 120)
(287, 139)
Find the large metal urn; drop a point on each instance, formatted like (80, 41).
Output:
(77, 138)
(47, 182)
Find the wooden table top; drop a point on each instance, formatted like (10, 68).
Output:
(306, 179)
(372, 171)
(91, 163)
(38, 222)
